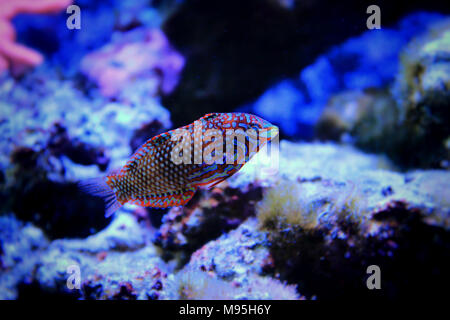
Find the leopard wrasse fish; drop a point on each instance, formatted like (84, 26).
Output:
(167, 169)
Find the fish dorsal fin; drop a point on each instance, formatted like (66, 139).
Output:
(156, 141)
(159, 139)
(210, 116)
(147, 149)
(165, 200)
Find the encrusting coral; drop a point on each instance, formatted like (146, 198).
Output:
(282, 206)
(15, 56)
(198, 285)
(142, 56)
(289, 206)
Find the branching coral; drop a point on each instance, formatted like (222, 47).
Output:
(13, 55)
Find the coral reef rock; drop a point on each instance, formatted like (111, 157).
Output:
(65, 48)
(116, 263)
(408, 121)
(246, 47)
(357, 64)
(14, 56)
(47, 149)
(422, 90)
(309, 231)
(320, 229)
(20, 247)
(209, 214)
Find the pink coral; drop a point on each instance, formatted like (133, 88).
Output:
(120, 63)
(13, 55)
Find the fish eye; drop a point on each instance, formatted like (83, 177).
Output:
(256, 127)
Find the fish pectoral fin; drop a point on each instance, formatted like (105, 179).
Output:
(166, 200)
(211, 175)
(212, 183)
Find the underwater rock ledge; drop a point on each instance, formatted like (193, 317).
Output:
(311, 227)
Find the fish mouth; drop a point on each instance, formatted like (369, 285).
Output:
(269, 132)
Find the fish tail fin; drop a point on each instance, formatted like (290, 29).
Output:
(99, 187)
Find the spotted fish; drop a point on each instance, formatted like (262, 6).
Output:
(167, 170)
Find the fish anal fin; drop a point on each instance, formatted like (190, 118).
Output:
(166, 200)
